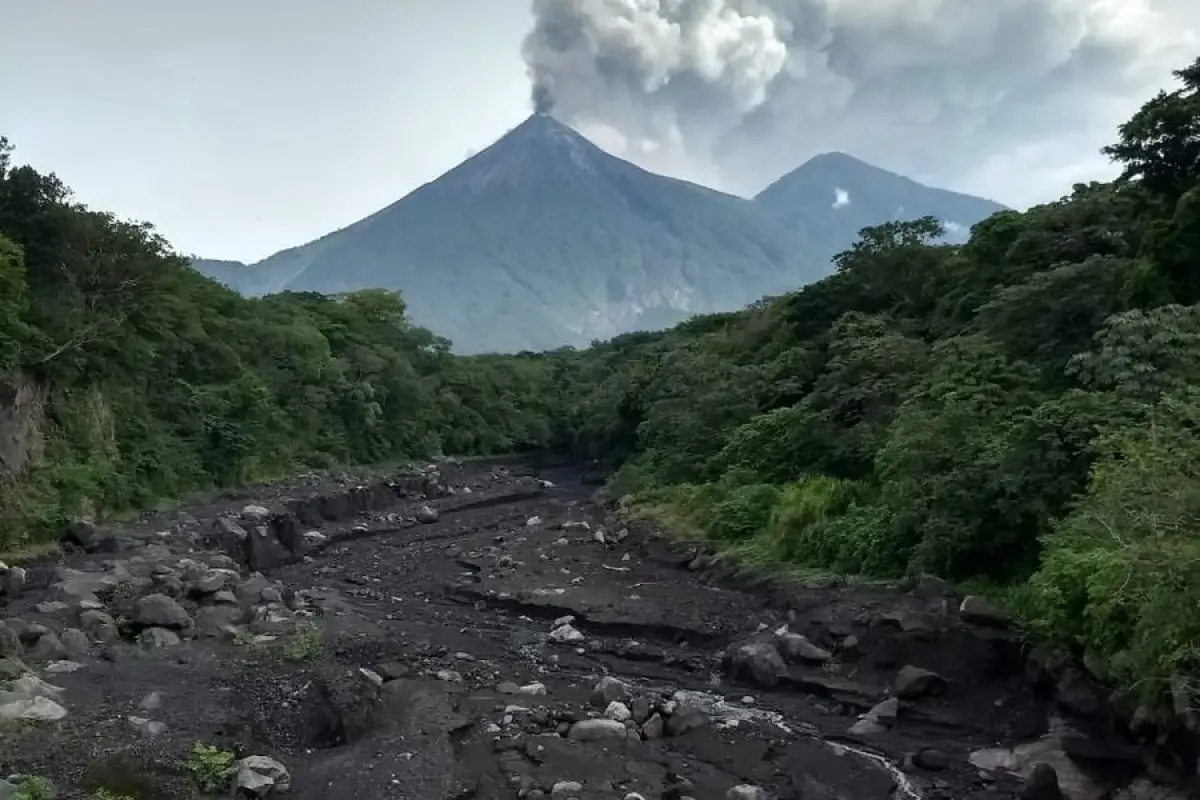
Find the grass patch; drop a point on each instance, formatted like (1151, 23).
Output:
(807, 533)
(210, 767)
(32, 787)
(105, 794)
(30, 551)
(302, 646)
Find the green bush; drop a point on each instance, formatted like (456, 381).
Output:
(743, 512)
(1120, 571)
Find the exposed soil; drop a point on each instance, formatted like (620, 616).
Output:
(384, 654)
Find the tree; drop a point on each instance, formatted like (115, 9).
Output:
(1160, 145)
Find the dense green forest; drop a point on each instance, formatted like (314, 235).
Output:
(130, 378)
(1019, 412)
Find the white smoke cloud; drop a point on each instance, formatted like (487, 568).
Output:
(841, 198)
(970, 94)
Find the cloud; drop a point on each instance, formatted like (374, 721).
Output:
(1011, 98)
(841, 198)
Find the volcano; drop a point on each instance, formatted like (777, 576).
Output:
(544, 240)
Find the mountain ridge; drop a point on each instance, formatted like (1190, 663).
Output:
(833, 195)
(543, 239)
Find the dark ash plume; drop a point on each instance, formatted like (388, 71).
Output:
(753, 87)
(543, 100)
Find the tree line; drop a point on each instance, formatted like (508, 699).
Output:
(149, 381)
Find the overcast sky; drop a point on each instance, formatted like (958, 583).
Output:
(240, 128)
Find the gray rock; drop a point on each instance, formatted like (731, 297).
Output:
(563, 790)
(931, 759)
(866, 727)
(690, 713)
(146, 728)
(231, 529)
(757, 662)
(618, 711)
(10, 642)
(31, 698)
(932, 586)
(11, 669)
(29, 632)
(654, 728)
(913, 683)
(52, 607)
(271, 594)
(251, 589)
(76, 642)
(261, 775)
(99, 627)
(746, 792)
(14, 581)
(168, 584)
(594, 730)
(158, 638)
(223, 562)
(566, 633)
(151, 702)
(160, 611)
(981, 612)
(609, 690)
(798, 649)
(256, 513)
(31, 709)
(885, 713)
(1042, 784)
(427, 515)
(211, 583)
(394, 671)
(75, 586)
(48, 647)
(218, 622)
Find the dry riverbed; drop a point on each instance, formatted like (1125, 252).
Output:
(485, 631)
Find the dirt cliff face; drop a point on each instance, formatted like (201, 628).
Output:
(22, 421)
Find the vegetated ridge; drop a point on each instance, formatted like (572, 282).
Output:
(544, 240)
(1018, 411)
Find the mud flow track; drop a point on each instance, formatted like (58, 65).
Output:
(486, 632)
